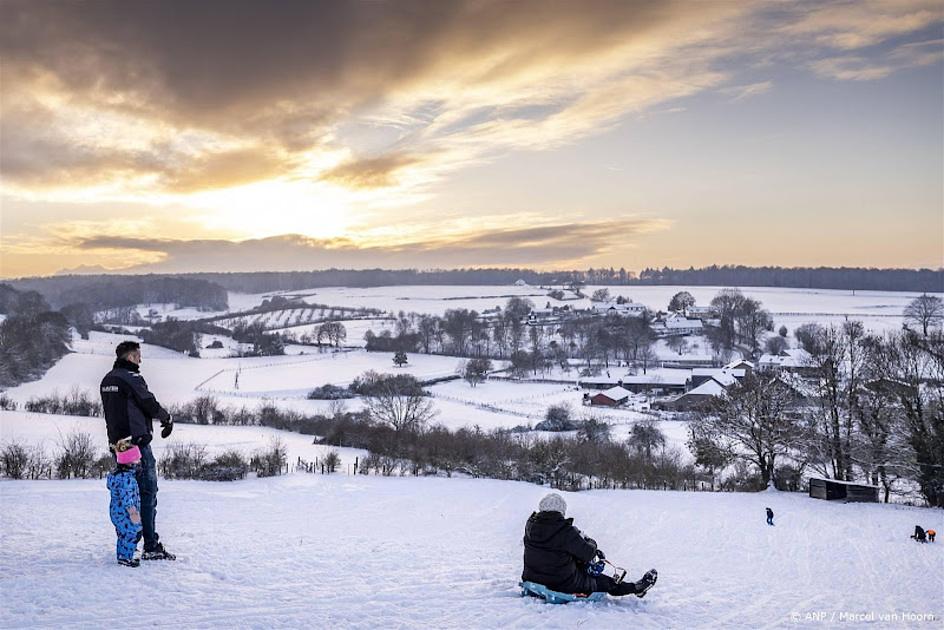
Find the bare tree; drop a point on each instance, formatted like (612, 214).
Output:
(402, 410)
(926, 312)
(646, 437)
(752, 422)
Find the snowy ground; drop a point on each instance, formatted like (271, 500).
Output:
(371, 552)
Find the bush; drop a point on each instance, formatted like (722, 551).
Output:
(19, 461)
(331, 461)
(557, 418)
(7, 403)
(75, 403)
(229, 466)
(270, 462)
(14, 460)
(183, 461)
(78, 458)
(371, 383)
(330, 392)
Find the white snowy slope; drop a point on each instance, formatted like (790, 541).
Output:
(371, 552)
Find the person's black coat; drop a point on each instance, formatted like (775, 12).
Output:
(128, 405)
(555, 554)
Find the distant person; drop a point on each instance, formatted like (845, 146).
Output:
(919, 534)
(557, 554)
(125, 506)
(129, 410)
(931, 535)
(770, 516)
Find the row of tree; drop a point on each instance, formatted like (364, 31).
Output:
(32, 336)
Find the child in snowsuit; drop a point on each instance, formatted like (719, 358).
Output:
(919, 535)
(931, 535)
(556, 555)
(770, 516)
(125, 508)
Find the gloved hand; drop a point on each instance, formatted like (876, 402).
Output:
(600, 554)
(167, 426)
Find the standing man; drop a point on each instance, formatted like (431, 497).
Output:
(770, 516)
(129, 410)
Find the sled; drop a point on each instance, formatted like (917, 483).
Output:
(554, 597)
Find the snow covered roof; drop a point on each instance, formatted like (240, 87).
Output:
(668, 379)
(708, 388)
(844, 483)
(676, 323)
(794, 357)
(738, 363)
(617, 393)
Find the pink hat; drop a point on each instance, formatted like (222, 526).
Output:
(129, 456)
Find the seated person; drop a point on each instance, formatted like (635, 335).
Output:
(557, 554)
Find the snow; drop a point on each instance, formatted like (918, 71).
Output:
(368, 552)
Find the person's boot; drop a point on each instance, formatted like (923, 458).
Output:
(646, 582)
(129, 562)
(158, 553)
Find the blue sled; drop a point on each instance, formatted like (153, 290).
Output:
(554, 597)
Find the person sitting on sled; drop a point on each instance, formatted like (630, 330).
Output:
(557, 555)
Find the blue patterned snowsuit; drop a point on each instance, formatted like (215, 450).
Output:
(125, 510)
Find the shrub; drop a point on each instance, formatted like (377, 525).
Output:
(14, 460)
(330, 392)
(183, 461)
(557, 418)
(75, 403)
(331, 461)
(78, 458)
(228, 466)
(270, 462)
(7, 403)
(19, 461)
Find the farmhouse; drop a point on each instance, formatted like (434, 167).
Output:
(613, 397)
(629, 309)
(702, 312)
(722, 375)
(697, 398)
(674, 325)
(790, 360)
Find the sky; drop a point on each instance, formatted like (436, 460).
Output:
(182, 136)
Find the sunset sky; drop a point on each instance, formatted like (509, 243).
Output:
(193, 136)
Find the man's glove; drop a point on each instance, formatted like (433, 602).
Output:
(600, 554)
(168, 426)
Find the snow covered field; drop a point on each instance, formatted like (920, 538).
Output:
(371, 552)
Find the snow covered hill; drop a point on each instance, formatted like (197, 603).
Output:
(373, 552)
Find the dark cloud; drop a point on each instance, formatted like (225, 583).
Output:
(269, 74)
(375, 172)
(539, 246)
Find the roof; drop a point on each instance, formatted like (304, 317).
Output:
(678, 322)
(845, 483)
(616, 393)
(734, 364)
(666, 379)
(708, 388)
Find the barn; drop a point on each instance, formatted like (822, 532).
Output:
(612, 397)
(849, 492)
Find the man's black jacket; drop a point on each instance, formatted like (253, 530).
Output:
(128, 405)
(553, 547)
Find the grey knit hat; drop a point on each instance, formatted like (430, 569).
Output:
(553, 502)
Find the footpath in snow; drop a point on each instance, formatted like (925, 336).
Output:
(371, 552)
